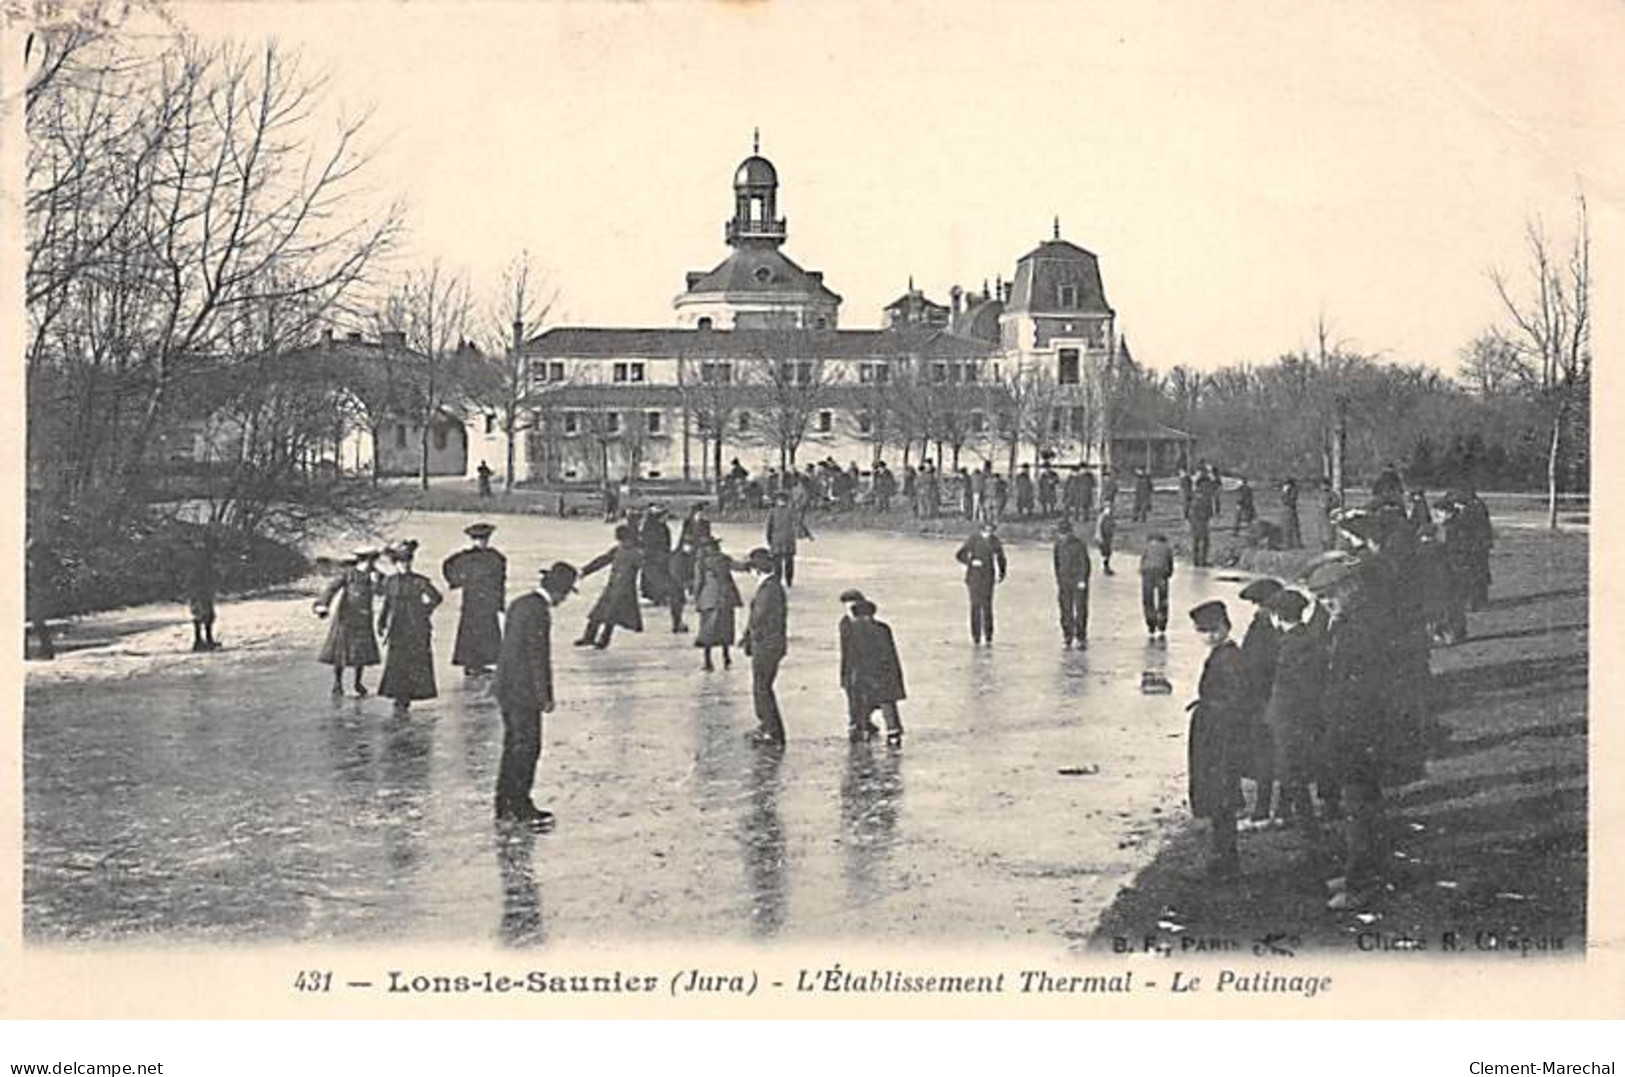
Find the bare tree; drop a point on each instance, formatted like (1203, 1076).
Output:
(1491, 365)
(435, 307)
(792, 387)
(1553, 332)
(503, 381)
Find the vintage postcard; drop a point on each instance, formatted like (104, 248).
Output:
(817, 510)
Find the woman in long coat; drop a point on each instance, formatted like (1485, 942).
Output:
(350, 641)
(404, 623)
(1218, 741)
(482, 574)
(617, 607)
(716, 596)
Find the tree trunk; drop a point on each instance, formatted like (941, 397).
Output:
(1552, 470)
(423, 458)
(513, 453)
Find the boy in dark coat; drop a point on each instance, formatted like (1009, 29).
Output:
(1218, 738)
(871, 673)
(524, 690)
(1246, 509)
(405, 623)
(1293, 713)
(618, 605)
(1071, 557)
(983, 557)
(481, 573)
(202, 585)
(1259, 649)
(1156, 569)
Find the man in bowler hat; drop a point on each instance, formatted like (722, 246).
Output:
(524, 690)
(766, 640)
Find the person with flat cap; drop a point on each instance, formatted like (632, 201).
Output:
(985, 566)
(481, 573)
(1292, 716)
(617, 606)
(872, 675)
(1156, 569)
(1217, 738)
(524, 690)
(766, 641)
(350, 642)
(404, 623)
(1072, 568)
(1260, 647)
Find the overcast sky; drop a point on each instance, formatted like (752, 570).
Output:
(1238, 168)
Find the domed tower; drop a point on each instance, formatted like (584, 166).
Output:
(757, 286)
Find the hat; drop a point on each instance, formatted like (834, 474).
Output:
(479, 530)
(1210, 615)
(1287, 605)
(1361, 524)
(863, 608)
(625, 533)
(403, 550)
(762, 560)
(1156, 536)
(559, 578)
(657, 510)
(1064, 527)
(365, 553)
(1261, 591)
(1330, 575)
(852, 594)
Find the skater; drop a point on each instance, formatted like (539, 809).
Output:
(1108, 488)
(1142, 495)
(350, 642)
(1200, 517)
(1292, 715)
(1156, 568)
(871, 673)
(1105, 534)
(524, 690)
(484, 473)
(1048, 481)
(685, 559)
(202, 585)
(481, 573)
(405, 626)
(1246, 510)
(1071, 557)
(766, 641)
(617, 606)
(1024, 491)
(716, 596)
(1291, 532)
(784, 527)
(660, 584)
(983, 557)
(1260, 647)
(1217, 739)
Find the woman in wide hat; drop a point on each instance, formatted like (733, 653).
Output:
(617, 607)
(405, 624)
(350, 642)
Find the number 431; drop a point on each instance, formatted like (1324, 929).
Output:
(313, 981)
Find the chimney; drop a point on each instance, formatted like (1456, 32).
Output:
(1009, 290)
(518, 336)
(327, 339)
(955, 295)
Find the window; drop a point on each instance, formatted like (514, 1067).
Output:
(1055, 420)
(612, 422)
(1068, 372)
(874, 373)
(572, 423)
(978, 422)
(797, 373)
(490, 424)
(400, 435)
(939, 373)
(1069, 296)
(555, 371)
(716, 373)
(826, 421)
(1080, 421)
(1097, 334)
(628, 372)
(653, 420)
(955, 372)
(705, 323)
(440, 439)
(971, 373)
(744, 422)
(866, 423)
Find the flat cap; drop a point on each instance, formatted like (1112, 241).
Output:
(1261, 591)
(1210, 615)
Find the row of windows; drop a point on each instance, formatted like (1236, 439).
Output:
(1072, 420)
(1068, 372)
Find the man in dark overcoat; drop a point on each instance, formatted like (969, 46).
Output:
(1142, 495)
(1086, 491)
(481, 573)
(985, 566)
(872, 674)
(1260, 647)
(1291, 531)
(1292, 715)
(1200, 516)
(524, 690)
(766, 642)
(1246, 509)
(617, 607)
(785, 526)
(1072, 568)
(1217, 740)
(1024, 491)
(1048, 482)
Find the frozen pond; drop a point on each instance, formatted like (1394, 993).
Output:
(226, 797)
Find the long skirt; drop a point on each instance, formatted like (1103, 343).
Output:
(349, 642)
(408, 671)
(716, 628)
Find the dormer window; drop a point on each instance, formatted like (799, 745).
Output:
(763, 275)
(1068, 298)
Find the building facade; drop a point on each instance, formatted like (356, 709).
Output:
(757, 368)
